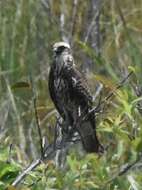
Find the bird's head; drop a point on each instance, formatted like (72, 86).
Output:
(60, 47)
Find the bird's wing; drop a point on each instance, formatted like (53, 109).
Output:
(53, 93)
(77, 82)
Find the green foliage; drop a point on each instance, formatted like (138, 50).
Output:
(8, 172)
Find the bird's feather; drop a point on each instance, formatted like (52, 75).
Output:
(71, 96)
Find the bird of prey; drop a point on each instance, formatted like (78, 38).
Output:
(70, 94)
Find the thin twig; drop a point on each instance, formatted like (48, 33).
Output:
(121, 15)
(120, 84)
(38, 127)
(123, 20)
(123, 170)
(9, 153)
(36, 115)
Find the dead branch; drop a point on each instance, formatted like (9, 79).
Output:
(59, 145)
(33, 165)
(120, 84)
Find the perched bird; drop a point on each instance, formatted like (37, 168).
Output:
(70, 94)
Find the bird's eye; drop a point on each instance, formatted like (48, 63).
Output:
(60, 49)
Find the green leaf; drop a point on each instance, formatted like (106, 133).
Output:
(8, 172)
(131, 68)
(137, 144)
(20, 85)
(11, 188)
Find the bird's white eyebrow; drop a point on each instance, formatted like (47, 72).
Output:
(59, 44)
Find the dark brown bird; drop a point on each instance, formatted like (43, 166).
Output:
(70, 94)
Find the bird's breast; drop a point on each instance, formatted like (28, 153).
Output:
(63, 91)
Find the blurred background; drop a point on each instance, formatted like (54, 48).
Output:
(106, 40)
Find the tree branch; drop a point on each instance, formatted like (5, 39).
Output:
(123, 170)
(120, 84)
(33, 165)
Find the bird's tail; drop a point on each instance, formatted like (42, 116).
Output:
(89, 138)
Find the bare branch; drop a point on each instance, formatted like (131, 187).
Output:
(59, 146)
(25, 172)
(111, 94)
(118, 86)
